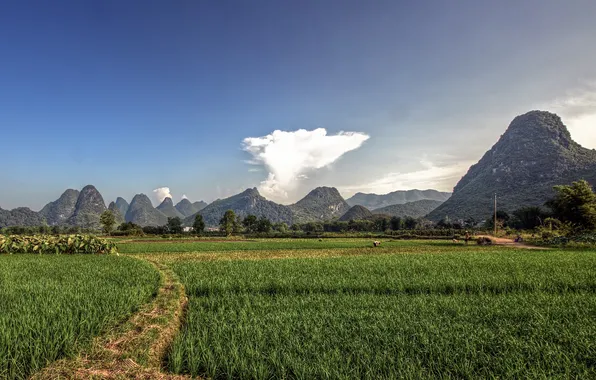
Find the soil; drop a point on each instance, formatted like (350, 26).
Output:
(509, 242)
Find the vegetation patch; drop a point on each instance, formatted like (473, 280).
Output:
(52, 306)
(267, 244)
(64, 244)
(134, 349)
(483, 313)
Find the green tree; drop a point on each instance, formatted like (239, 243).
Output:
(528, 218)
(576, 204)
(199, 225)
(502, 220)
(250, 223)
(469, 223)
(238, 225)
(264, 225)
(107, 220)
(228, 223)
(410, 223)
(396, 223)
(280, 227)
(444, 224)
(381, 224)
(174, 225)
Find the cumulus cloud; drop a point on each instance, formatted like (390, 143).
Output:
(289, 155)
(183, 196)
(162, 193)
(431, 176)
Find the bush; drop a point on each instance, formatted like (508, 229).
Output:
(66, 244)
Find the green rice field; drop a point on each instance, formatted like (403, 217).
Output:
(51, 306)
(303, 309)
(473, 314)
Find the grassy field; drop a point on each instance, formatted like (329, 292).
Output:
(300, 308)
(210, 245)
(463, 312)
(51, 306)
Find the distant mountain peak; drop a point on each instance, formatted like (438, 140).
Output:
(251, 192)
(356, 213)
(118, 217)
(247, 202)
(187, 208)
(374, 201)
(167, 202)
(122, 205)
(168, 209)
(142, 212)
(535, 153)
(57, 212)
(322, 203)
(89, 206)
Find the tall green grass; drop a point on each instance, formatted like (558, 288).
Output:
(466, 315)
(51, 306)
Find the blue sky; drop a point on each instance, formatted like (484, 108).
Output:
(132, 96)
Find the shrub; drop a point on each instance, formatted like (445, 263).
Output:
(65, 244)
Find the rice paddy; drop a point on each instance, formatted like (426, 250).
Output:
(335, 308)
(51, 306)
(474, 315)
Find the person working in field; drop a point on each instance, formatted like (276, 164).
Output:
(467, 237)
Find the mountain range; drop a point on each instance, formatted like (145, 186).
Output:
(416, 209)
(375, 201)
(535, 153)
(83, 208)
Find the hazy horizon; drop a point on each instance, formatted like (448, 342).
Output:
(209, 99)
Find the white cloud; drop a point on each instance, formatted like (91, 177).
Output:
(578, 111)
(431, 176)
(183, 196)
(162, 193)
(289, 155)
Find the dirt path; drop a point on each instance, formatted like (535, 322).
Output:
(510, 242)
(135, 349)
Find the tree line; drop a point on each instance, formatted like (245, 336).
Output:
(572, 209)
(573, 206)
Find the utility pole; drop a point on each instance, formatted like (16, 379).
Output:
(495, 214)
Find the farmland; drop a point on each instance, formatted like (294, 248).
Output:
(310, 308)
(475, 314)
(51, 306)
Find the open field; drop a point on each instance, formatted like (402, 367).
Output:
(298, 308)
(51, 306)
(471, 312)
(210, 245)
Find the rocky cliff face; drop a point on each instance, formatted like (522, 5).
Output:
(322, 203)
(167, 208)
(118, 217)
(186, 208)
(58, 212)
(89, 206)
(20, 216)
(534, 154)
(122, 205)
(142, 212)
